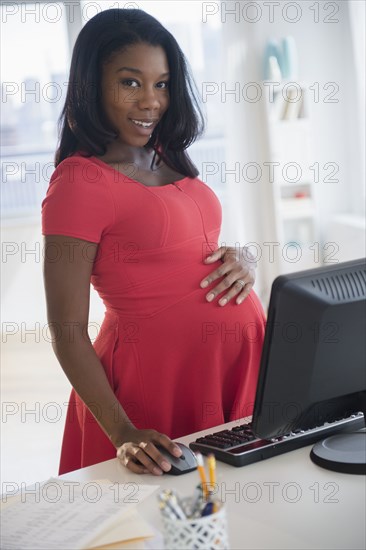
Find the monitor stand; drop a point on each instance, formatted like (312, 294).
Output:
(344, 453)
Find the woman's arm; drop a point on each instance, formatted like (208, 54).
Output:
(67, 268)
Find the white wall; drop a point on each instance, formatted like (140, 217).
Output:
(23, 303)
(325, 56)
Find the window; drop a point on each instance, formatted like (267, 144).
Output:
(33, 86)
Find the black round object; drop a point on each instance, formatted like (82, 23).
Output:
(344, 453)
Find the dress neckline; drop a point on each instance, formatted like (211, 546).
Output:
(107, 166)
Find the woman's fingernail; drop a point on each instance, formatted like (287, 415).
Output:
(177, 451)
(210, 297)
(157, 471)
(239, 300)
(204, 284)
(166, 466)
(223, 301)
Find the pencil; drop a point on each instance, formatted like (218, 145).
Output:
(212, 470)
(201, 471)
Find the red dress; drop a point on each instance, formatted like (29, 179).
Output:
(176, 362)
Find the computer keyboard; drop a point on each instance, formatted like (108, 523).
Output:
(239, 446)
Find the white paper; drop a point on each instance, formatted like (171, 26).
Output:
(131, 527)
(67, 514)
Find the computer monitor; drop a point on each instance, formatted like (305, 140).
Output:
(313, 365)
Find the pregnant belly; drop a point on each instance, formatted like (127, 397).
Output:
(196, 358)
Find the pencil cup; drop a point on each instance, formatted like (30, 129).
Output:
(207, 532)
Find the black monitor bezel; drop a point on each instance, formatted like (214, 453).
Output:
(261, 423)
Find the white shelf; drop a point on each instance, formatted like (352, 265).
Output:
(291, 124)
(290, 141)
(303, 183)
(298, 215)
(293, 208)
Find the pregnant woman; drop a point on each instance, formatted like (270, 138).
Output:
(180, 344)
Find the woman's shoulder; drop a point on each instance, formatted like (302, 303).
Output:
(78, 167)
(79, 181)
(78, 158)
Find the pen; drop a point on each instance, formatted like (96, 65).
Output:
(177, 503)
(170, 500)
(208, 509)
(201, 471)
(166, 511)
(196, 500)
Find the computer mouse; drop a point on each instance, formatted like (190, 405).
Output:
(183, 464)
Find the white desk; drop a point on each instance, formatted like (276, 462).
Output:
(282, 502)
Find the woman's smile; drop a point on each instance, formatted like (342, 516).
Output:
(145, 126)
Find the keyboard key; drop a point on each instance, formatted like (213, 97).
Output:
(216, 443)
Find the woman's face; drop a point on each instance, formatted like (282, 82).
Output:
(135, 92)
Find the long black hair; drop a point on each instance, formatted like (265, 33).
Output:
(82, 123)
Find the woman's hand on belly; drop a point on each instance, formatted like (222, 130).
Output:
(238, 264)
(140, 455)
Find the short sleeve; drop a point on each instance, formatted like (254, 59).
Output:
(78, 202)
